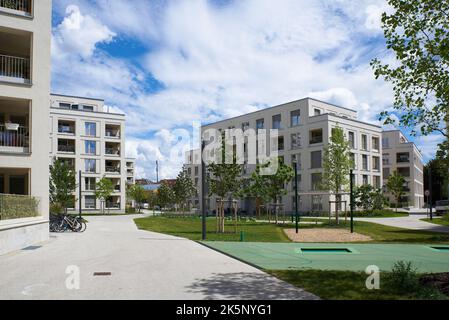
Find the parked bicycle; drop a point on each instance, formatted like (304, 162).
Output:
(64, 223)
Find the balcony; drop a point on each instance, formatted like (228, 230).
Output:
(14, 69)
(403, 157)
(66, 146)
(112, 131)
(14, 138)
(113, 203)
(20, 7)
(15, 53)
(112, 167)
(66, 127)
(112, 149)
(316, 136)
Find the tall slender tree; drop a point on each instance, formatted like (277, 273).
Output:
(62, 184)
(337, 164)
(137, 193)
(183, 189)
(103, 191)
(395, 185)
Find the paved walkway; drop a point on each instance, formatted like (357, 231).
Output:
(412, 222)
(143, 265)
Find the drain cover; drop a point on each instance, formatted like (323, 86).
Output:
(102, 274)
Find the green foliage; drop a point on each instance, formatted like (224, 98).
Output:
(404, 277)
(165, 195)
(368, 198)
(395, 186)
(225, 179)
(136, 193)
(62, 184)
(56, 208)
(183, 189)
(17, 207)
(337, 163)
(418, 32)
(104, 189)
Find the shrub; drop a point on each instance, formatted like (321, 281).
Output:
(16, 207)
(56, 208)
(404, 277)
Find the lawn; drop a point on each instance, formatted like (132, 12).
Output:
(190, 228)
(347, 285)
(440, 221)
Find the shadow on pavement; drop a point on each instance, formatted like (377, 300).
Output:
(248, 286)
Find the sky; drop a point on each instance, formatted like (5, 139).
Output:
(170, 64)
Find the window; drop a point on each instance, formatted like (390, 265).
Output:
(91, 147)
(316, 112)
(295, 118)
(277, 121)
(280, 143)
(386, 143)
(64, 105)
(316, 181)
(377, 183)
(189, 171)
(316, 136)
(364, 142)
(386, 161)
(260, 124)
(386, 173)
(90, 202)
(317, 203)
(90, 184)
(299, 203)
(365, 162)
(351, 139)
(376, 144)
(91, 165)
(365, 180)
(245, 126)
(91, 129)
(88, 108)
(297, 158)
(315, 159)
(299, 183)
(405, 172)
(296, 141)
(376, 163)
(196, 171)
(403, 157)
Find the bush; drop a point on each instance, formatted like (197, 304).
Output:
(404, 277)
(16, 207)
(56, 208)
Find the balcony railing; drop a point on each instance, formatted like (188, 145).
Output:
(66, 148)
(66, 129)
(14, 138)
(18, 5)
(112, 151)
(17, 207)
(111, 169)
(112, 205)
(112, 133)
(14, 68)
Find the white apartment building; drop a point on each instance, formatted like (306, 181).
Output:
(25, 36)
(305, 128)
(130, 171)
(91, 141)
(404, 157)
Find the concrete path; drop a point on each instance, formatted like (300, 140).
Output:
(143, 265)
(412, 222)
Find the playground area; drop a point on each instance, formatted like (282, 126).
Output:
(432, 258)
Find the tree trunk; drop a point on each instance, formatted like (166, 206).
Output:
(337, 197)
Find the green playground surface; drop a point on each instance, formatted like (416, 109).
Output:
(430, 258)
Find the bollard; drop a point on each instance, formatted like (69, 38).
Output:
(242, 236)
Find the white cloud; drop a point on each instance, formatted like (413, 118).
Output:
(218, 61)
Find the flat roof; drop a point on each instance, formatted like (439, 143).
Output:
(77, 97)
(280, 105)
(87, 111)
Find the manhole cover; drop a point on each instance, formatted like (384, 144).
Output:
(102, 274)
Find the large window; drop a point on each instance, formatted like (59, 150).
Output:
(90, 202)
(91, 129)
(376, 144)
(315, 159)
(351, 139)
(260, 124)
(91, 165)
(317, 203)
(90, 184)
(296, 141)
(280, 143)
(277, 119)
(405, 172)
(353, 160)
(297, 158)
(316, 136)
(316, 181)
(365, 162)
(295, 118)
(377, 182)
(91, 147)
(364, 142)
(376, 163)
(365, 180)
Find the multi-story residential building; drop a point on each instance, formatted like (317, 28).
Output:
(91, 141)
(25, 35)
(193, 168)
(304, 128)
(404, 157)
(130, 171)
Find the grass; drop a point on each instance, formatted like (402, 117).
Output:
(347, 285)
(439, 221)
(190, 228)
(381, 214)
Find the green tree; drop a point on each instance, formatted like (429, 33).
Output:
(137, 193)
(62, 184)
(369, 198)
(165, 195)
(337, 164)
(255, 188)
(103, 191)
(184, 189)
(418, 34)
(395, 186)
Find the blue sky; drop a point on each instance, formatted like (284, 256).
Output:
(167, 64)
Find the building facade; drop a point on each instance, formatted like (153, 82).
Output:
(404, 157)
(130, 171)
(92, 141)
(25, 36)
(304, 129)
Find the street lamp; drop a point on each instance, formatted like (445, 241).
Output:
(295, 167)
(203, 197)
(80, 185)
(351, 186)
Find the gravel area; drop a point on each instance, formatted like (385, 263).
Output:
(325, 235)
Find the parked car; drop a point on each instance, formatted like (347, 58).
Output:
(442, 207)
